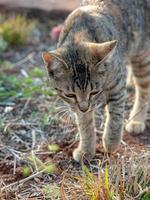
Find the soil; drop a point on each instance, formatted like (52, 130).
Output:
(23, 135)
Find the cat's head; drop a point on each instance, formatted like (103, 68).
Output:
(79, 72)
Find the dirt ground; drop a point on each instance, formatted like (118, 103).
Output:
(23, 133)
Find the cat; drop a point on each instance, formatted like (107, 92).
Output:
(98, 39)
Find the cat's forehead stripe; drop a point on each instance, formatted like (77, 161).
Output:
(78, 66)
(81, 75)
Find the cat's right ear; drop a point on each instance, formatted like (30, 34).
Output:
(53, 62)
(47, 58)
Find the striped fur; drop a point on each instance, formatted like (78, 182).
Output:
(89, 66)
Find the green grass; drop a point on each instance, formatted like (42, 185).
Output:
(51, 191)
(120, 179)
(110, 186)
(13, 87)
(38, 165)
(15, 31)
(95, 187)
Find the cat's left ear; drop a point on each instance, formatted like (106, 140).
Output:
(102, 51)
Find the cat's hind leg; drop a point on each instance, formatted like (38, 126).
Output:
(129, 81)
(141, 76)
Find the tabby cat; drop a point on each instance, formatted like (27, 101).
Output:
(97, 41)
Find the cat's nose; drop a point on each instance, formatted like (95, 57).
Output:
(83, 106)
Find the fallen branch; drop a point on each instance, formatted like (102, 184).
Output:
(18, 183)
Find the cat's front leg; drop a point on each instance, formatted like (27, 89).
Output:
(87, 143)
(114, 121)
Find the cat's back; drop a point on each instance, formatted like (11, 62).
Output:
(135, 12)
(131, 19)
(128, 5)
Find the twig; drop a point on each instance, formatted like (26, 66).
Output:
(15, 163)
(24, 60)
(25, 106)
(21, 181)
(5, 104)
(13, 152)
(63, 194)
(33, 138)
(22, 123)
(20, 140)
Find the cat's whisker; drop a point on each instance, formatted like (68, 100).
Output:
(57, 115)
(69, 119)
(63, 115)
(60, 112)
(61, 106)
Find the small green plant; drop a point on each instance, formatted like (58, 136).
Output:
(13, 87)
(2, 120)
(51, 191)
(120, 179)
(145, 196)
(45, 119)
(26, 171)
(3, 44)
(39, 165)
(53, 148)
(96, 188)
(15, 31)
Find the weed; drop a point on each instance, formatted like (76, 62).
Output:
(120, 179)
(3, 44)
(96, 188)
(45, 119)
(39, 165)
(51, 191)
(26, 171)
(2, 120)
(13, 87)
(145, 196)
(53, 148)
(15, 31)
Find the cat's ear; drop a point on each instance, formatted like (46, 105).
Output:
(54, 62)
(47, 58)
(102, 51)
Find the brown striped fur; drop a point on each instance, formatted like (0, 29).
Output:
(88, 66)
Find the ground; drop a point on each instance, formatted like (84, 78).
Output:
(37, 138)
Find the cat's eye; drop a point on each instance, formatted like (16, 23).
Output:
(94, 92)
(58, 90)
(70, 95)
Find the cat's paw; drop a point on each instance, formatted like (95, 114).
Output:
(78, 155)
(109, 146)
(135, 127)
